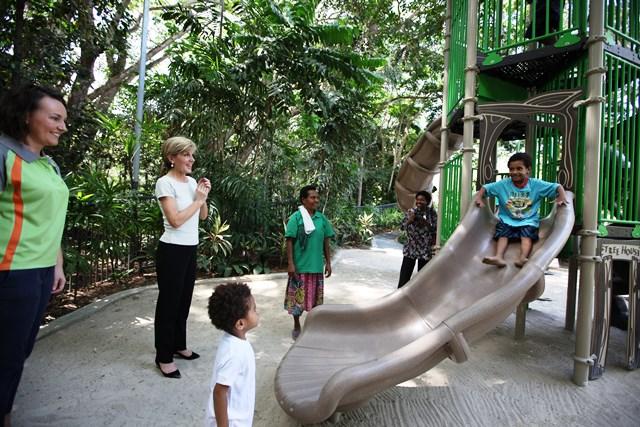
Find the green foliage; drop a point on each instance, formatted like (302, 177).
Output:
(365, 227)
(356, 226)
(353, 226)
(277, 94)
(387, 219)
(102, 220)
(42, 40)
(214, 247)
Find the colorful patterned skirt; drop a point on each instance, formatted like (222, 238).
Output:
(304, 292)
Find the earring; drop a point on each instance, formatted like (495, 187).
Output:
(171, 164)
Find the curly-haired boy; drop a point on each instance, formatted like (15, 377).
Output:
(519, 198)
(231, 401)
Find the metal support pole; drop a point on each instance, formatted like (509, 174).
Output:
(469, 100)
(521, 320)
(140, 105)
(588, 253)
(570, 311)
(444, 124)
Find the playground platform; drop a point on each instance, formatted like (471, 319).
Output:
(95, 367)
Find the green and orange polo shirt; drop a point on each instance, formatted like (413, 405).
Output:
(33, 207)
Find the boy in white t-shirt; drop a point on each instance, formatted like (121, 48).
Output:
(232, 393)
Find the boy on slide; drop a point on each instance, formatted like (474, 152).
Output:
(519, 199)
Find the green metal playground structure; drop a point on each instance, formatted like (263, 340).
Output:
(507, 52)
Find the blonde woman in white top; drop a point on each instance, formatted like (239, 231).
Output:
(183, 202)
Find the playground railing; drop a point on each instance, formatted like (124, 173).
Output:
(507, 27)
(546, 153)
(457, 54)
(622, 21)
(572, 77)
(451, 186)
(620, 148)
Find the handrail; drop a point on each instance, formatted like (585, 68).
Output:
(511, 26)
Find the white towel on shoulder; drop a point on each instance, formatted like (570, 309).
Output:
(306, 220)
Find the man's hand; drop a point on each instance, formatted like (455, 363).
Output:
(561, 200)
(479, 199)
(291, 270)
(327, 270)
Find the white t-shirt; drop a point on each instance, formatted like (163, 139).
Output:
(235, 366)
(184, 193)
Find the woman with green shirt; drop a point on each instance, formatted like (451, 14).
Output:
(308, 256)
(33, 206)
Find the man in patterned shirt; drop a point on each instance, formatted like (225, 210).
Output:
(420, 224)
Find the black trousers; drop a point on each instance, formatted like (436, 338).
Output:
(24, 295)
(176, 270)
(407, 269)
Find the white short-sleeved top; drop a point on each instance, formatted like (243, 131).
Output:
(235, 366)
(184, 193)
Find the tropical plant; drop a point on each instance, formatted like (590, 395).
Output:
(214, 247)
(276, 93)
(387, 219)
(365, 227)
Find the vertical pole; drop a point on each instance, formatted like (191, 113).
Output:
(444, 123)
(140, 106)
(521, 320)
(582, 358)
(360, 179)
(570, 316)
(469, 100)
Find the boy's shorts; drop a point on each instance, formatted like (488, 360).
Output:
(515, 233)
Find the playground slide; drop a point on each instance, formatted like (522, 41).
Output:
(421, 164)
(347, 353)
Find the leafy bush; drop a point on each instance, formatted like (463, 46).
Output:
(108, 228)
(365, 227)
(387, 219)
(353, 226)
(214, 247)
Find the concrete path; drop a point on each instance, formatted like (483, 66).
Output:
(96, 367)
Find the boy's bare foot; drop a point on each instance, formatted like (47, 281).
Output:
(521, 262)
(494, 260)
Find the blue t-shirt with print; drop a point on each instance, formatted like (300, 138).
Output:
(520, 206)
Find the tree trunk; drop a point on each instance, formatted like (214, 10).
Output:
(89, 52)
(360, 179)
(112, 85)
(397, 153)
(18, 44)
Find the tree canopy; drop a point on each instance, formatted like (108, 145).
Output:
(276, 94)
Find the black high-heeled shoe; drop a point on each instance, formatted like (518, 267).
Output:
(193, 356)
(175, 374)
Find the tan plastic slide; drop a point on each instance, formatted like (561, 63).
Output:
(348, 353)
(421, 164)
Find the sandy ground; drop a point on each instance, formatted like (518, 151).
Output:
(99, 371)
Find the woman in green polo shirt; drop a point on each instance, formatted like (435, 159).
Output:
(33, 206)
(308, 256)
